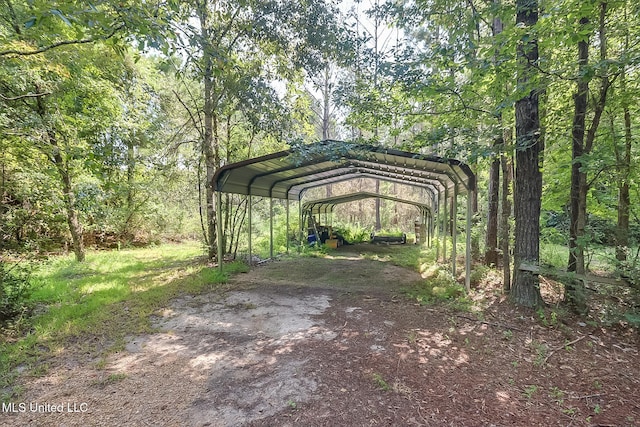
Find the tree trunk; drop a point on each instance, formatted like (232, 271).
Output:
(75, 227)
(575, 291)
(226, 221)
(491, 243)
(378, 222)
(208, 134)
(624, 167)
(582, 187)
(326, 103)
(577, 221)
(505, 235)
(528, 182)
(394, 191)
(475, 239)
(131, 167)
(68, 196)
(210, 169)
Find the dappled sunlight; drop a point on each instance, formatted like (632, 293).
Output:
(466, 329)
(347, 271)
(126, 362)
(345, 257)
(168, 312)
(435, 338)
(503, 396)
(376, 257)
(224, 325)
(462, 358)
(95, 296)
(206, 360)
(248, 339)
(104, 285)
(166, 345)
(285, 348)
(429, 346)
(429, 270)
(314, 332)
(259, 349)
(158, 279)
(487, 290)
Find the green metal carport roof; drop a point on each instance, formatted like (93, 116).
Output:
(286, 174)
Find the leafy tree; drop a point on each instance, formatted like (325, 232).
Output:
(57, 62)
(78, 104)
(582, 146)
(236, 49)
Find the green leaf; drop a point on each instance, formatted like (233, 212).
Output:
(61, 16)
(31, 22)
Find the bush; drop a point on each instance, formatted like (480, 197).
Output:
(633, 317)
(353, 233)
(629, 268)
(478, 274)
(553, 235)
(14, 291)
(440, 285)
(390, 233)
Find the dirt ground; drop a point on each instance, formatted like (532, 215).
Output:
(336, 341)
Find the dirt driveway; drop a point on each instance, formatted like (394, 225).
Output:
(335, 341)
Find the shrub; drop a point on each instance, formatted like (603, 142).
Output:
(630, 268)
(353, 233)
(440, 285)
(478, 274)
(14, 291)
(633, 317)
(390, 233)
(553, 235)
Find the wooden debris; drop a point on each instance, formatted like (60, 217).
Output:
(561, 347)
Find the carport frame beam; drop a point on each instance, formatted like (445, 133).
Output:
(219, 228)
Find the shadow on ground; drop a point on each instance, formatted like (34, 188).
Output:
(335, 341)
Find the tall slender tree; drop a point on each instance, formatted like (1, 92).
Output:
(491, 241)
(576, 230)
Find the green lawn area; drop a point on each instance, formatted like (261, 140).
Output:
(97, 303)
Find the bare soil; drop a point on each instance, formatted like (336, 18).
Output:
(336, 341)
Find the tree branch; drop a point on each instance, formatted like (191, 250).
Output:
(196, 123)
(499, 325)
(19, 97)
(59, 44)
(565, 345)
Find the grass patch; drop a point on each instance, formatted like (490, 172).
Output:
(439, 286)
(597, 257)
(415, 257)
(554, 255)
(529, 391)
(94, 305)
(478, 274)
(380, 382)
(111, 379)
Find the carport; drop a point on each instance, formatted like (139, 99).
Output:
(327, 205)
(288, 174)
